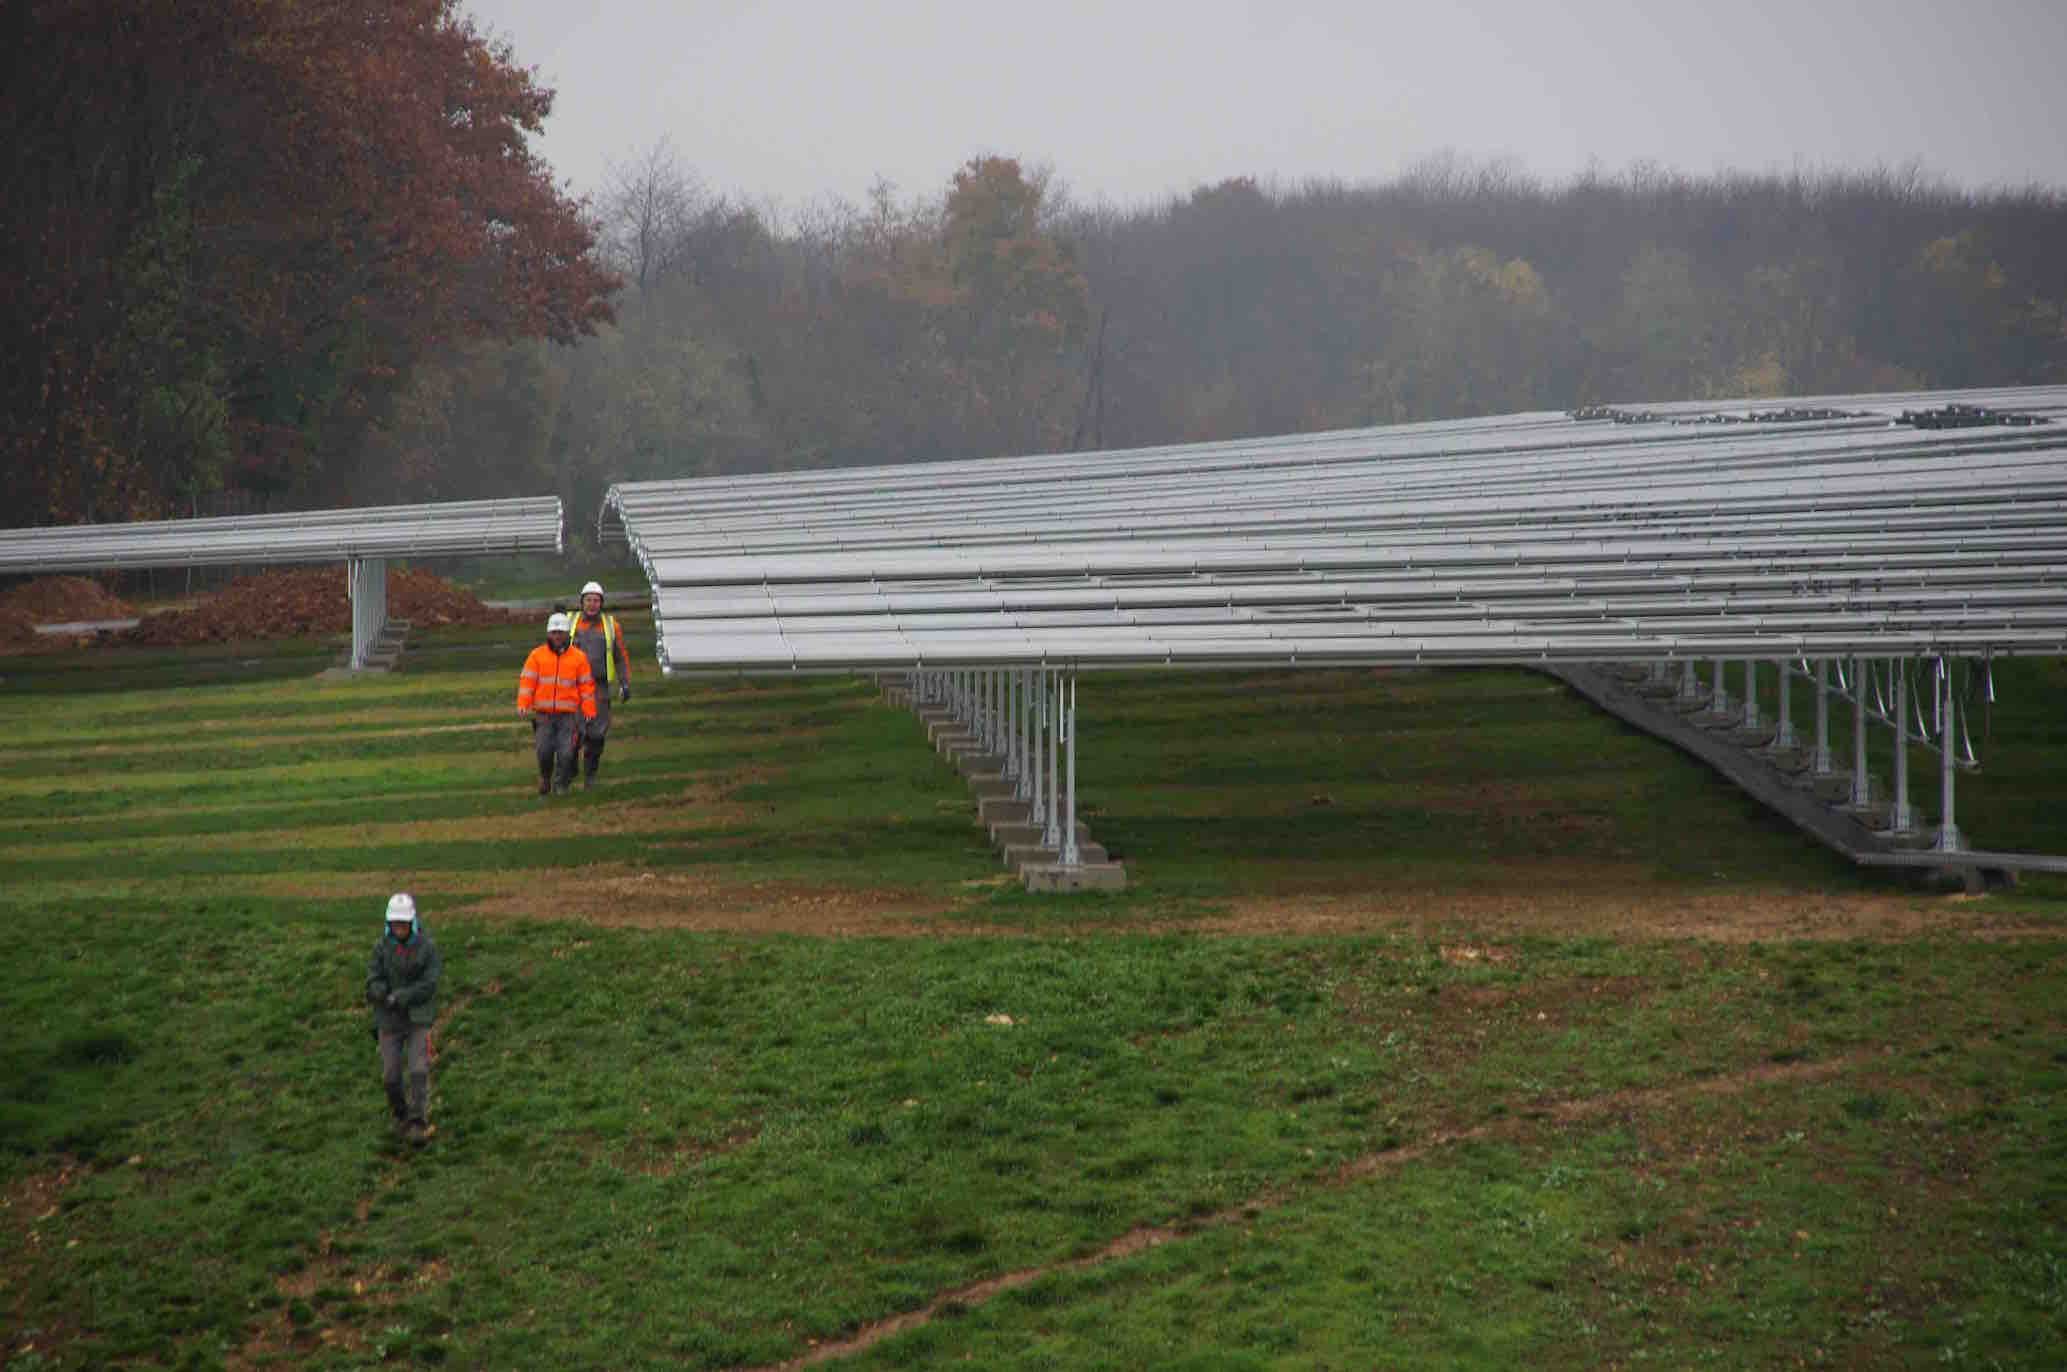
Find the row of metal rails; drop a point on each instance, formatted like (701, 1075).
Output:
(1876, 531)
(364, 539)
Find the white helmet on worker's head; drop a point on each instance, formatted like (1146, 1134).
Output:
(402, 910)
(594, 588)
(558, 624)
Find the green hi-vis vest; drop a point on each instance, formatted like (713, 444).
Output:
(609, 647)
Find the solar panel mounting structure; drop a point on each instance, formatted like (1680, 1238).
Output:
(364, 539)
(1799, 533)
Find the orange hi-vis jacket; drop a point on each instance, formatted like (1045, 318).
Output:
(557, 683)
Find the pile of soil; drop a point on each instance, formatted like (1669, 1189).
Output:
(64, 600)
(308, 602)
(429, 601)
(17, 629)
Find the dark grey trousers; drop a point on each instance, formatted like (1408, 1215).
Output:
(557, 736)
(595, 736)
(405, 1070)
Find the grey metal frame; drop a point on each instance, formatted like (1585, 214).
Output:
(363, 539)
(1523, 539)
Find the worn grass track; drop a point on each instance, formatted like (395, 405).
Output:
(1446, 1023)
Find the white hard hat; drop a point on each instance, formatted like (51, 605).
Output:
(557, 624)
(401, 908)
(593, 588)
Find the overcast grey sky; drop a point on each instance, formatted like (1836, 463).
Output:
(1132, 100)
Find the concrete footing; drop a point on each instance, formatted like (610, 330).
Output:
(1110, 876)
(1832, 788)
(1014, 830)
(1784, 780)
(1003, 810)
(1026, 831)
(1020, 856)
(384, 655)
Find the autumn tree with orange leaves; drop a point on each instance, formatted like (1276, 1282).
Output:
(233, 228)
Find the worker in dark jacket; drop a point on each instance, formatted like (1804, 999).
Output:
(601, 639)
(402, 988)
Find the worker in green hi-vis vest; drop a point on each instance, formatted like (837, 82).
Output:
(601, 638)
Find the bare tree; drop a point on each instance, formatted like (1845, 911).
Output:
(647, 206)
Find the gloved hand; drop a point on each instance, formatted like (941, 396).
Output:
(394, 1000)
(624, 691)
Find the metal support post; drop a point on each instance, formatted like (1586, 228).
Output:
(1750, 693)
(1689, 682)
(1948, 731)
(355, 575)
(1900, 820)
(1070, 857)
(1719, 695)
(1052, 838)
(995, 743)
(1820, 763)
(1783, 734)
(1862, 783)
(1029, 734)
(366, 583)
(1011, 740)
(1038, 722)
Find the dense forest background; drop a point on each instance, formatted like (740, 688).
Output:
(258, 281)
(997, 317)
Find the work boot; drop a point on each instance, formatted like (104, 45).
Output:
(545, 786)
(417, 1132)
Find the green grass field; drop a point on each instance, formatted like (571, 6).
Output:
(1445, 1022)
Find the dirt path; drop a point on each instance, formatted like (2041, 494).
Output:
(1564, 903)
(1368, 1165)
(1735, 914)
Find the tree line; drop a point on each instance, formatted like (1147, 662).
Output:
(234, 233)
(997, 316)
(303, 255)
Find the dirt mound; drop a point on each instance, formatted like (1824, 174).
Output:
(18, 636)
(307, 602)
(64, 600)
(429, 601)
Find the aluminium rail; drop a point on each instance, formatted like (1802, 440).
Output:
(1710, 472)
(1526, 539)
(1400, 453)
(363, 539)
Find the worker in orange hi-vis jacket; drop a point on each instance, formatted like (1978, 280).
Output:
(557, 692)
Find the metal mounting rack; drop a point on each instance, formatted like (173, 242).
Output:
(1811, 531)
